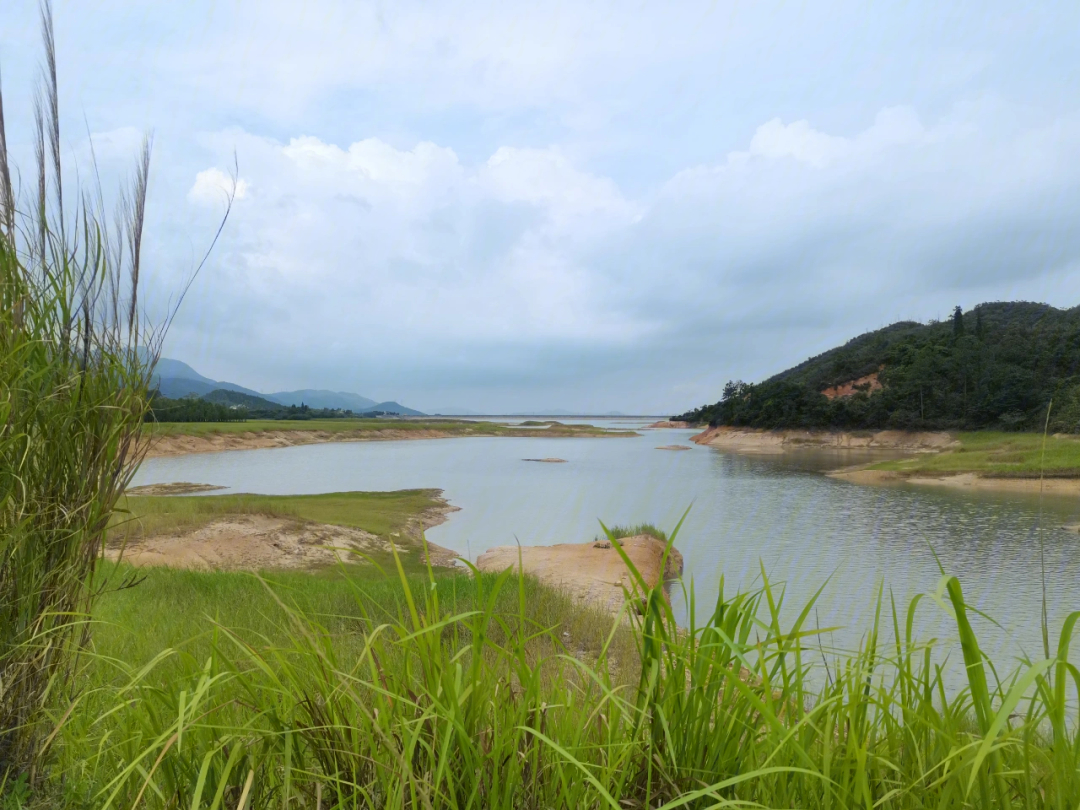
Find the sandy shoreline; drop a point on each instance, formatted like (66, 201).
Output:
(184, 444)
(749, 440)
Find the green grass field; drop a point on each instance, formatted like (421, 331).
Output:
(454, 427)
(997, 454)
(350, 690)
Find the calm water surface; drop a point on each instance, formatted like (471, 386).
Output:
(746, 512)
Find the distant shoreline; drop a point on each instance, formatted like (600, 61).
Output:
(181, 439)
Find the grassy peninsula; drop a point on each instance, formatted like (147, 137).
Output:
(995, 454)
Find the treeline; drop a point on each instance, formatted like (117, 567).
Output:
(192, 409)
(997, 366)
(210, 409)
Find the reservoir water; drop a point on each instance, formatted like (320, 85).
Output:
(777, 512)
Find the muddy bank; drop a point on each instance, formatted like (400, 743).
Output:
(668, 423)
(591, 572)
(180, 445)
(256, 542)
(749, 440)
(1050, 486)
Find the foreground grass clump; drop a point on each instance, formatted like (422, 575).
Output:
(998, 454)
(382, 513)
(446, 691)
(617, 532)
(76, 358)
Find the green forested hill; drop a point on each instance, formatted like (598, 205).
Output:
(996, 366)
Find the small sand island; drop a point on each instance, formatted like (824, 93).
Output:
(674, 447)
(591, 572)
(547, 460)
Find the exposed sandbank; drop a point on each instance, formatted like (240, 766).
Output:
(674, 447)
(547, 460)
(1050, 486)
(669, 423)
(591, 572)
(749, 440)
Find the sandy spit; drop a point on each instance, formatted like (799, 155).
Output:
(591, 572)
(674, 447)
(749, 440)
(1051, 486)
(668, 423)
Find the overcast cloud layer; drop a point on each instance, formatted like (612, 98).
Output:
(507, 207)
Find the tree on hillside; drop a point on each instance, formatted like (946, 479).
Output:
(936, 375)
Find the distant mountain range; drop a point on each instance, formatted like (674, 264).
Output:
(176, 379)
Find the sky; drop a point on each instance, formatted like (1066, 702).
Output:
(586, 206)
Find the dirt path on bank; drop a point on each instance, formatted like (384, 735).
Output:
(590, 572)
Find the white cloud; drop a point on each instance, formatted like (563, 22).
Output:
(411, 239)
(893, 127)
(410, 259)
(213, 187)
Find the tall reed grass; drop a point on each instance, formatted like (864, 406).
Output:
(469, 697)
(76, 357)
